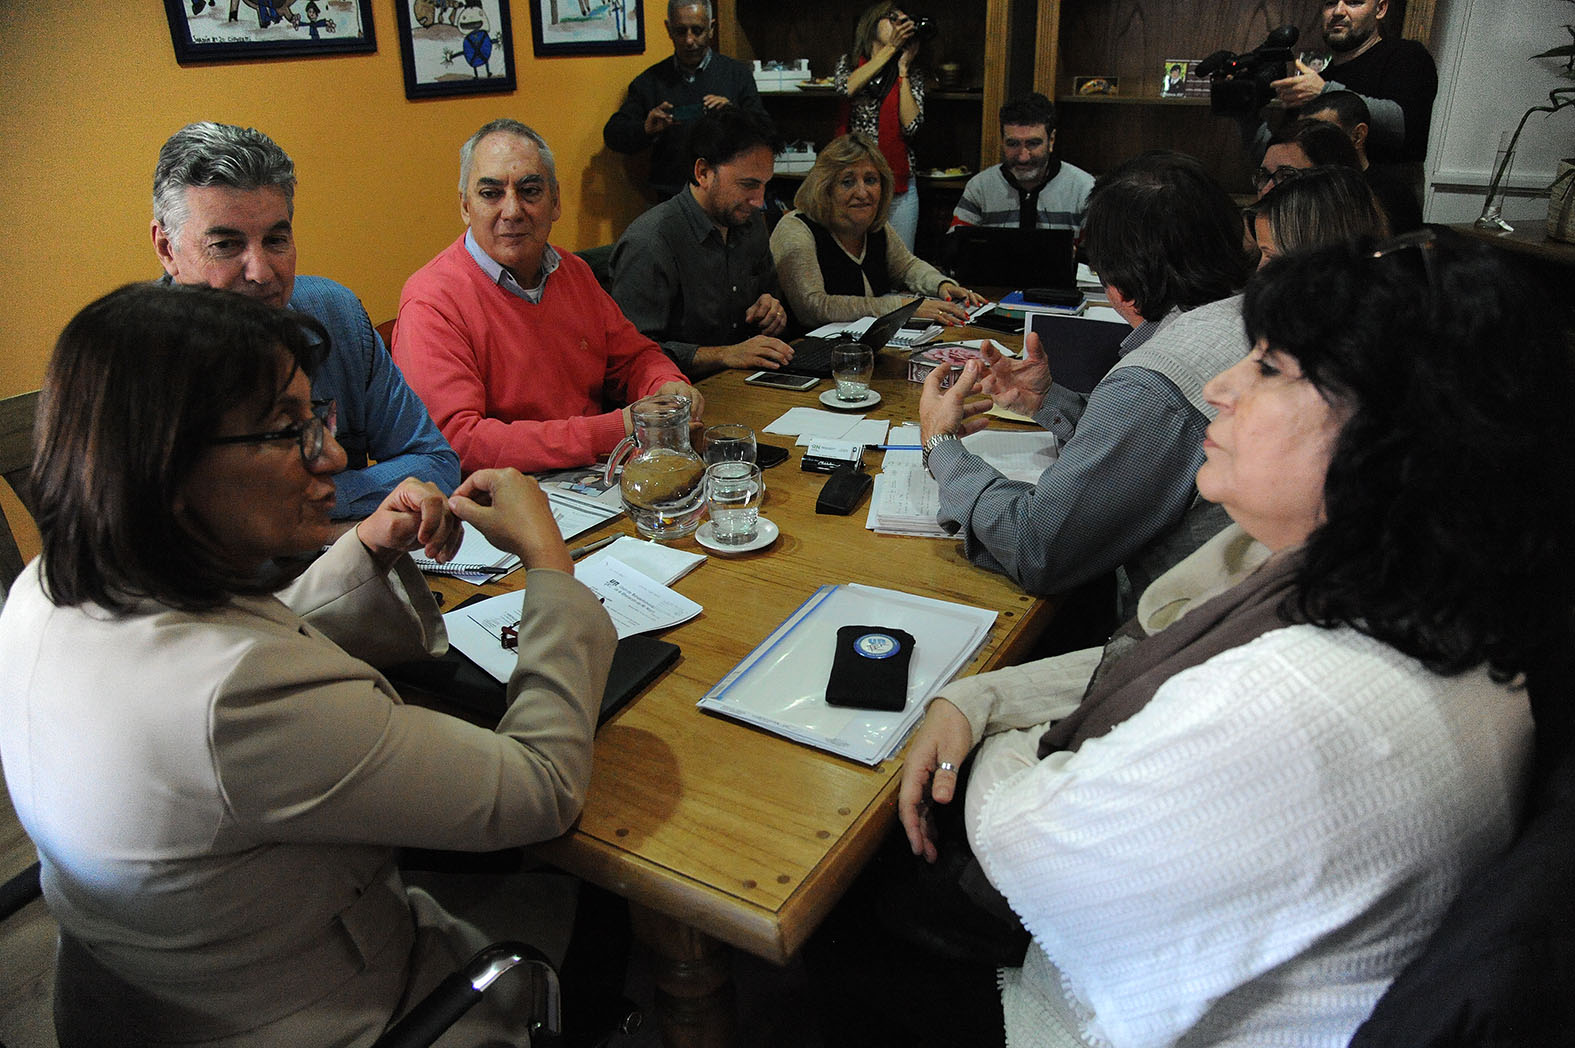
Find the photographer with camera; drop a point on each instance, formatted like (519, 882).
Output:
(1395, 78)
(885, 93)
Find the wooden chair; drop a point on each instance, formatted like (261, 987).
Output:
(16, 461)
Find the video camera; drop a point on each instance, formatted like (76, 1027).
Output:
(1239, 84)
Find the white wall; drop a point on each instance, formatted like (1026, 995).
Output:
(1486, 80)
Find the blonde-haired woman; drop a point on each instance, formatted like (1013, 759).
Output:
(838, 257)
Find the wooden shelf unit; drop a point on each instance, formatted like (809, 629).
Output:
(960, 125)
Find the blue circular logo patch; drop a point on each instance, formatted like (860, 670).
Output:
(876, 646)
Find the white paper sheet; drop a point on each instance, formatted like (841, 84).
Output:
(636, 604)
(663, 564)
(812, 422)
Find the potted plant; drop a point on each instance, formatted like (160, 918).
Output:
(1561, 197)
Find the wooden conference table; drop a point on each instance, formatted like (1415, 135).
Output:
(720, 834)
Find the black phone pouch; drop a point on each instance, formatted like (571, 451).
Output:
(870, 670)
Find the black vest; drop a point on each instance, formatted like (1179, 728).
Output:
(842, 275)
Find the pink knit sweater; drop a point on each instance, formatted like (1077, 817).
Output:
(511, 383)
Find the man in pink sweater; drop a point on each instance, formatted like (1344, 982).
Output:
(518, 353)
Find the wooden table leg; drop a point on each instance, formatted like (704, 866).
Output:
(696, 1001)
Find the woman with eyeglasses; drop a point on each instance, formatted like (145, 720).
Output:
(1300, 146)
(837, 256)
(1239, 822)
(212, 770)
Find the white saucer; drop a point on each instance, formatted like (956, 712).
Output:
(829, 398)
(765, 535)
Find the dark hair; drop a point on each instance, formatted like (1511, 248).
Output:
(1029, 109)
(1323, 143)
(1324, 206)
(1164, 234)
(1448, 499)
(138, 382)
(720, 136)
(1348, 107)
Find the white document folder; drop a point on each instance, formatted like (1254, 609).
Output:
(781, 685)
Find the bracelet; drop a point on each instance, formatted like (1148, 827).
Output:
(933, 443)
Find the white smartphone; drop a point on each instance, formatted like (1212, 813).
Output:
(779, 380)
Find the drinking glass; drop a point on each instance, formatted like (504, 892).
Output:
(1315, 60)
(733, 493)
(729, 442)
(852, 366)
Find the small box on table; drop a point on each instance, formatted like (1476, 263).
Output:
(923, 362)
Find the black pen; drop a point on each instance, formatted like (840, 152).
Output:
(591, 547)
(893, 447)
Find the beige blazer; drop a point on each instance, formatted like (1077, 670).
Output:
(216, 796)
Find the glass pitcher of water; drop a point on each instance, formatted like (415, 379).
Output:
(663, 484)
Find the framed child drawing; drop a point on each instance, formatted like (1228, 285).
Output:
(587, 27)
(239, 30)
(455, 47)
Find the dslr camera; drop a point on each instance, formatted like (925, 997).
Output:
(925, 29)
(1239, 84)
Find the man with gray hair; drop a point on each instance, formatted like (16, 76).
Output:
(671, 95)
(520, 355)
(223, 211)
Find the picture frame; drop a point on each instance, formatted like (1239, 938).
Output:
(455, 47)
(246, 30)
(1173, 77)
(601, 27)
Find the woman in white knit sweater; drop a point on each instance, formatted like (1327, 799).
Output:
(1252, 819)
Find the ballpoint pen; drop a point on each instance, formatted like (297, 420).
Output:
(893, 447)
(591, 547)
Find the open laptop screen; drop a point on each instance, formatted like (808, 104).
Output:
(1011, 258)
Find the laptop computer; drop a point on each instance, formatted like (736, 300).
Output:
(1014, 258)
(812, 354)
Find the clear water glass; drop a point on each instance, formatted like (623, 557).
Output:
(852, 367)
(729, 442)
(733, 493)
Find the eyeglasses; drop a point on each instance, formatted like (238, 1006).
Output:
(1278, 176)
(1426, 242)
(307, 433)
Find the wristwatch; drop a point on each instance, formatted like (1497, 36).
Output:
(933, 443)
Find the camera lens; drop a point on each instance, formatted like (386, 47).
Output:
(925, 29)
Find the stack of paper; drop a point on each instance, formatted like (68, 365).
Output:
(663, 564)
(810, 424)
(781, 685)
(906, 500)
(635, 603)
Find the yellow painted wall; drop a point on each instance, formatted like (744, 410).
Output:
(90, 91)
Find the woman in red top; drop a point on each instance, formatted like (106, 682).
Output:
(886, 100)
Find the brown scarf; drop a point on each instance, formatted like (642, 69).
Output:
(1135, 665)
